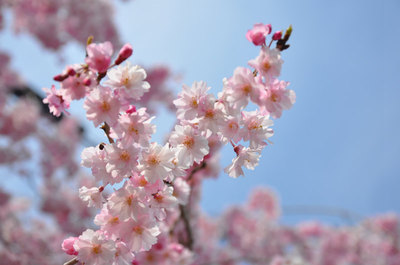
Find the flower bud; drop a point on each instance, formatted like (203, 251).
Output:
(60, 77)
(68, 246)
(125, 52)
(277, 35)
(87, 81)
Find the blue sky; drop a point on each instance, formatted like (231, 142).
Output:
(337, 147)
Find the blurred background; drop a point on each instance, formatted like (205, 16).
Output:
(336, 152)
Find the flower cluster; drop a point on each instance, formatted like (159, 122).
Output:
(155, 181)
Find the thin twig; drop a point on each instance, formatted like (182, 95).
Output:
(106, 128)
(71, 262)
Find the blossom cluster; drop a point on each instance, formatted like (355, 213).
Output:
(153, 182)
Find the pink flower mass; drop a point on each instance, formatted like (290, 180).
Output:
(138, 200)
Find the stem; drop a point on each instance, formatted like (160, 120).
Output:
(106, 128)
(185, 218)
(71, 262)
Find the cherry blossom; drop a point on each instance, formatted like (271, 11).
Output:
(129, 80)
(99, 56)
(94, 248)
(258, 33)
(57, 104)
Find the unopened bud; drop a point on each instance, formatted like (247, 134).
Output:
(277, 35)
(288, 33)
(71, 71)
(125, 52)
(131, 109)
(89, 40)
(101, 189)
(87, 81)
(60, 77)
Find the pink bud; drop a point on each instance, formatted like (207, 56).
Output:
(60, 77)
(71, 71)
(68, 246)
(131, 109)
(277, 35)
(125, 52)
(87, 81)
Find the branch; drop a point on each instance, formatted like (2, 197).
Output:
(185, 218)
(71, 262)
(106, 128)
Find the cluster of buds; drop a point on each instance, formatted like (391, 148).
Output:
(155, 180)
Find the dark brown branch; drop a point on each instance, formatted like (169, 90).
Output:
(106, 128)
(188, 228)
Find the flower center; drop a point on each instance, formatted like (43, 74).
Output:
(209, 113)
(274, 97)
(105, 106)
(266, 65)
(254, 125)
(233, 126)
(129, 200)
(158, 197)
(96, 249)
(132, 129)
(246, 89)
(114, 220)
(125, 156)
(188, 141)
(142, 182)
(138, 230)
(194, 102)
(153, 160)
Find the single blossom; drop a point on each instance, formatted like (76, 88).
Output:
(277, 98)
(129, 80)
(92, 196)
(245, 157)
(191, 147)
(93, 248)
(256, 128)
(99, 56)
(156, 163)
(268, 63)
(258, 33)
(102, 106)
(57, 103)
(189, 100)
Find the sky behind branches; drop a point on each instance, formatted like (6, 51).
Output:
(338, 146)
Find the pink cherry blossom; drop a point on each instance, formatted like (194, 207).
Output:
(134, 127)
(101, 106)
(129, 80)
(268, 63)
(99, 56)
(256, 128)
(156, 163)
(191, 147)
(258, 33)
(242, 86)
(277, 98)
(139, 235)
(68, 246)
(127, 202)
(121, 161)
(57, 103)
(92, 196)
(189, 99)
(94, 248)
(245, 157)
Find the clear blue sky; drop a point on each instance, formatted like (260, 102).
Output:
(338, 146)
